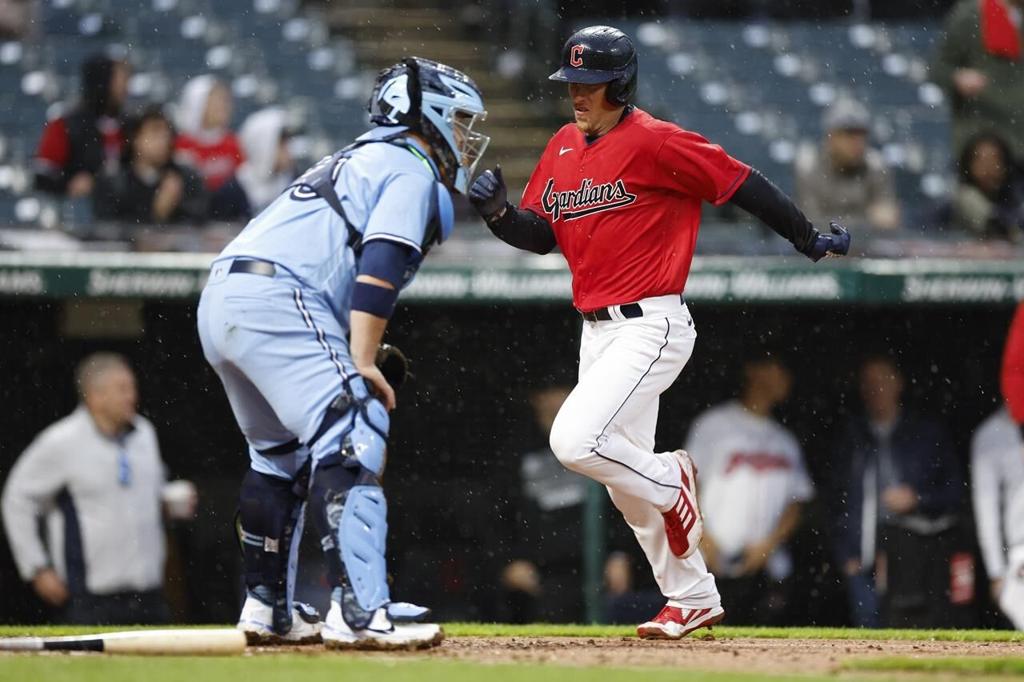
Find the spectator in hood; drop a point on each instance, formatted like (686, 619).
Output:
(205, 141)
(267, 171)
(151, 188)
(75, 147)
(268, 168)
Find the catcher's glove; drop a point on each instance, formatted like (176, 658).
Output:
(393, 365)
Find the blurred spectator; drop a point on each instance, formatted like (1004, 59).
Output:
(78, 146)
(989, 200)
(267, 171)
(997, 472)
(898, 493)
(753, 485)
(150, 187)
(624, 604)
(520, 593)
(15, 16)
(97, 480)
(979, 65)
(843, 179)
(548, 522)
(205, 141)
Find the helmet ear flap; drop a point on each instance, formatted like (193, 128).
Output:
(621, 90)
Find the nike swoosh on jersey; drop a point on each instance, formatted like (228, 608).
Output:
(563, 150)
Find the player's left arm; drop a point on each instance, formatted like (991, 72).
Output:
(759, 197)
(697, 167)
(391, 254)
(384, 266)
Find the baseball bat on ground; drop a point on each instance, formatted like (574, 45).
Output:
(213, 642)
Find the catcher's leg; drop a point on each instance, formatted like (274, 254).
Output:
(350, 514)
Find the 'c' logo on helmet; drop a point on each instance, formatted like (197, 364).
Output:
(576, 55)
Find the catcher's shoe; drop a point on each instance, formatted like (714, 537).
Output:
(257, 621)
(675, 623)
(684, 524)
(381, 634)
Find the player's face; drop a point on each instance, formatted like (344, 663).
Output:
(595, 115)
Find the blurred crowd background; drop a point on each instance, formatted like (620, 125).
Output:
(838, 495)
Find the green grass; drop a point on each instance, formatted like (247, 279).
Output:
(988, 665)
(339, 667)
(556, 630)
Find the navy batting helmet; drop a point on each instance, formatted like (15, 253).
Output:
(600, 54)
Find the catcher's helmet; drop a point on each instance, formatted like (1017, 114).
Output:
(600, 54)
(439, 102)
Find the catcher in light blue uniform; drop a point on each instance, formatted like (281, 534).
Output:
(291, 320)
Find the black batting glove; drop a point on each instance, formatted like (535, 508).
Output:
(829, 245)
(488, 193)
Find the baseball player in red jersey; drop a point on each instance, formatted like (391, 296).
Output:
(620, 193)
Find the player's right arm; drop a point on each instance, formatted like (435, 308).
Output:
(522, 228)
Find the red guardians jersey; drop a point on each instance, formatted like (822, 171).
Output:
(625, 208)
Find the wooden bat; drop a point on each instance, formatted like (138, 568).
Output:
(213, 642)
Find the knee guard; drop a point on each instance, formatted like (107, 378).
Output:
(350, 514)
(271, 515)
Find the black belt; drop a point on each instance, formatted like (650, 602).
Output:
(253, 267)
(628, 311)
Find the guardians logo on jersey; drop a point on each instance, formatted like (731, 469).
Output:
(588, 199)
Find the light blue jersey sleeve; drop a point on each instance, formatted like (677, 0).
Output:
(403, 210)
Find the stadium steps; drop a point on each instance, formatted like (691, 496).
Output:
(383, 32)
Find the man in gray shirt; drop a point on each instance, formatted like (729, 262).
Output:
(844, 179)
(96, 479)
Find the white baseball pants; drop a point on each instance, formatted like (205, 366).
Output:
(605, 430)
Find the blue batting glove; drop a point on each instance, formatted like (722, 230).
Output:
(488, 193)
(830, 245)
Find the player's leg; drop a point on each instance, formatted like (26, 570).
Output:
(690, 590)
(1011, 600)
(290, 345)
(634, 362)
(271, 510)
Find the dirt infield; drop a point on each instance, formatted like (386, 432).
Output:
(739, 655)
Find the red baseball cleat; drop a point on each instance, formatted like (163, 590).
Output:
(684, 524)
(675, 623)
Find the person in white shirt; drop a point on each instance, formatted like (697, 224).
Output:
(997, 474)
(752, 484)
(97, 480)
